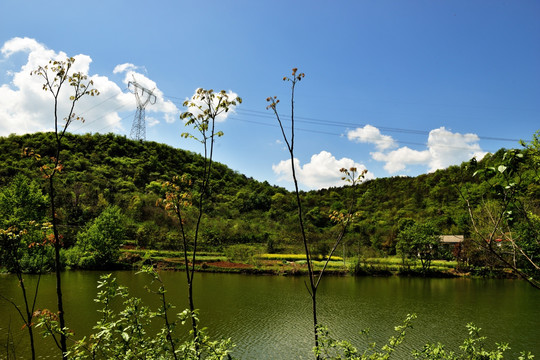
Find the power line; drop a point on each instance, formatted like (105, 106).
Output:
(326, 122)
(341, 135)
(334, 124)
(311, 121)
(308, 120)
(86, 123)
(116, 122)
(104, 101)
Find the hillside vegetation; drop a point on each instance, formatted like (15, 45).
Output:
(100, 171)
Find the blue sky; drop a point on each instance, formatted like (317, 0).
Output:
(398, 87)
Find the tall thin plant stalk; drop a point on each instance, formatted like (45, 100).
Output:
(204, 108)
(57, 74)
(344, 219)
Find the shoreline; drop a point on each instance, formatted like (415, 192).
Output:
(133, 260)
(282, 268)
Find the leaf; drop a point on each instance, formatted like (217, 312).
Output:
(502, 168)
(125, 336)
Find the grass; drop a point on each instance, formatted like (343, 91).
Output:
(296, 263)
(331, 264)
(293, 257)
(172, 254)
(396, 260)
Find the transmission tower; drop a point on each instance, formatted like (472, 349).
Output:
(144, 97)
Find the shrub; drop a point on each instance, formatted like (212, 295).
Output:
(99, 244)
(242, 253)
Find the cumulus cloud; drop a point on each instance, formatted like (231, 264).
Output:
(397, 160)
(195, 110)
(444, 148)
(124, 68)
(25, 107)
(20, 44)
(447, 148)
(151, 122)
(321, 172)
(371, 135)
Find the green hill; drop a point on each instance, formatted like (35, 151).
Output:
(101, 170)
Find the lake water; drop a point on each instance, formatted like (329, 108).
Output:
(269, 317)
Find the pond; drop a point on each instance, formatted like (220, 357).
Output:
(269, 317)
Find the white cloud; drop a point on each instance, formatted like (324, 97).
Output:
(151, 122)
(449, 148)
(124, 68)
(398, 160)
(25, 107)
(371, 135)
(15, 45)
(444, 148)
(321, 172)
(200, 103)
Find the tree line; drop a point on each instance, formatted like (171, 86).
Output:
(104, 170)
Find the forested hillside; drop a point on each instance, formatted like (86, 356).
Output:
(102, 170)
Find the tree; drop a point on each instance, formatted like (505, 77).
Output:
(419, 240)
(22, 245)
(56, 75)
(22, 205)
(342, 218)
(204, 108)
(99, 244)
(504, 219)
(22, 201)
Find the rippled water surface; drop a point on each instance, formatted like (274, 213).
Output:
(269, 317)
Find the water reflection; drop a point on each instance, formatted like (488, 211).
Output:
(269, 317)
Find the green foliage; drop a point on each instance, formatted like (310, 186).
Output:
(504, 219)
(23, 246)
(473, 348)
(151, 235)
(99, 244)
(26, 250)
(203, 109)
(242, 253)
(22, 201)
(239, 211)
(420, 241)
(250, 205)
(294, 257)
(527, 235)
(332, 349)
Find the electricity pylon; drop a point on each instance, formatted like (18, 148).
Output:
(144, 97)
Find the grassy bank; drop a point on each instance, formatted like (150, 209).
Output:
(284, 264)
